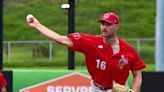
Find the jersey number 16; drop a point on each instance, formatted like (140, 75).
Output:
(101, 64)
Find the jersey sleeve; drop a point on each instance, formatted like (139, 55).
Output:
(80, 41)
(3, 82)
(137, 63)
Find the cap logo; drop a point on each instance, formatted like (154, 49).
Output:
(115, 20)
(106, 16)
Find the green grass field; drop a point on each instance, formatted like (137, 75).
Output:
(149, 67)
(22, 56)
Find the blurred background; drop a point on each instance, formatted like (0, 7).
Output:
(35, 59)
(24, 47)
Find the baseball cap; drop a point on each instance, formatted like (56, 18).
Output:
(110, 17)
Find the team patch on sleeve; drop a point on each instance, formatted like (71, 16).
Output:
(76, 36)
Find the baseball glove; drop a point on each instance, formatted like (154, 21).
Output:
(120, 88)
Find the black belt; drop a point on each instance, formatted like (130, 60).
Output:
(100, 86)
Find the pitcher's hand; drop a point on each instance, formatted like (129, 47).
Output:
(32, 21)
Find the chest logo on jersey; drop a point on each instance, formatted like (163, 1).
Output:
(122, 62)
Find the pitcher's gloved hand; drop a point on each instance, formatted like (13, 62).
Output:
(120, 88)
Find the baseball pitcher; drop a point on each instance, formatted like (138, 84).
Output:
(108, 57)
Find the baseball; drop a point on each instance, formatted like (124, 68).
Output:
(29, 17)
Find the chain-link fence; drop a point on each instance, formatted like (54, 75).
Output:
(48, 52)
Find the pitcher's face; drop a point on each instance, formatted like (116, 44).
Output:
(108, 30)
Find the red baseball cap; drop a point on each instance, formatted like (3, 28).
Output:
(110, 17)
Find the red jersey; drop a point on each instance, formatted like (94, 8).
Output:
(3, 82)
(104, 66)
